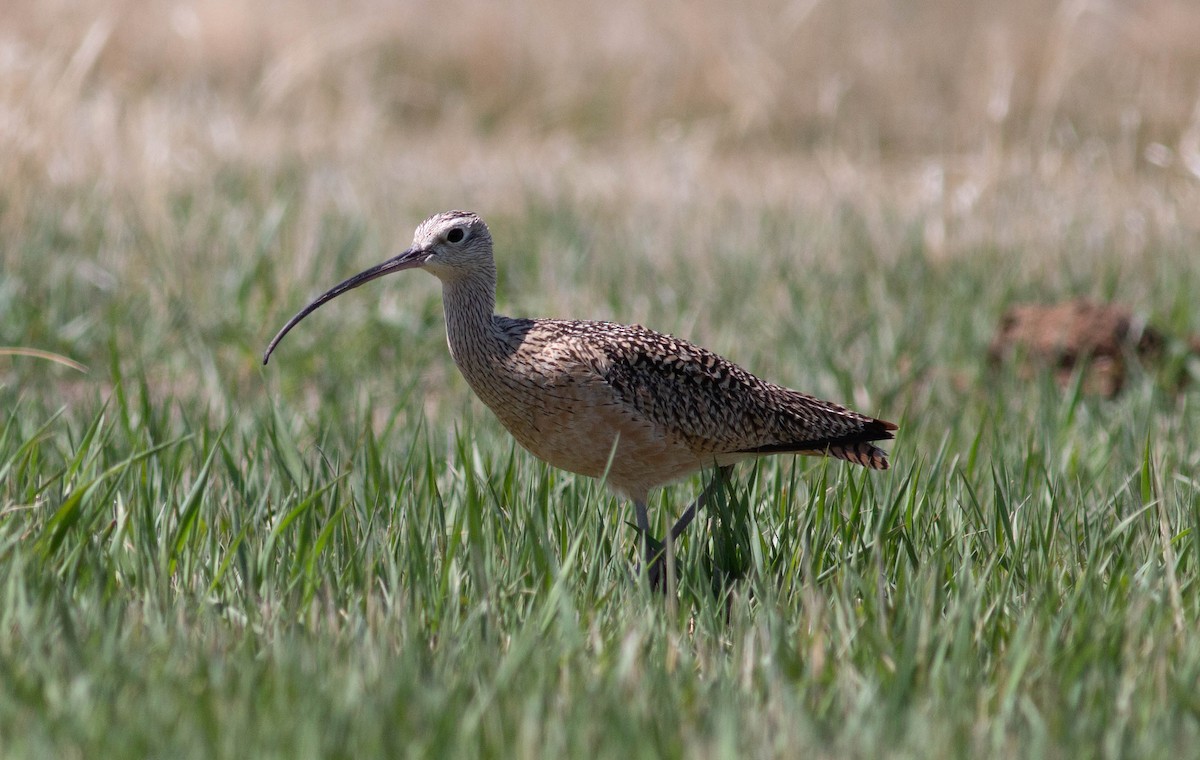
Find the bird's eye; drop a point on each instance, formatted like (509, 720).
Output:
(455, 235)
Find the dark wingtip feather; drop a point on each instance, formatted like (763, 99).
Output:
(859, 449)
(881, 429)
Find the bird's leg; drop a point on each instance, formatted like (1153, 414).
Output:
(719, 479)
(643, 522)
(652, 550)
(657, 569)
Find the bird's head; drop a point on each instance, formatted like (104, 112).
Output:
(451, 245)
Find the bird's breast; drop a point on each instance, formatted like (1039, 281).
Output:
(555, 404)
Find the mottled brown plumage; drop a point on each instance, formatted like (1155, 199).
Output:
(577, 394)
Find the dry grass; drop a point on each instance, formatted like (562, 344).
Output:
(968, 116)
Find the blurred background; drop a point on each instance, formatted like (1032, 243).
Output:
(192, 172)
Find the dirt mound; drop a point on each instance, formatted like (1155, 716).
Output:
(1062, 336)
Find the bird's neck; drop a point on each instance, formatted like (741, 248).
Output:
(469, 303)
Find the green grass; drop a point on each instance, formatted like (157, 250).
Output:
(343, 555)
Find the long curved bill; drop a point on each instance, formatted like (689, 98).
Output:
(413, 257)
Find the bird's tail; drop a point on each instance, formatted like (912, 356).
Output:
(854, 447)
(861, 453)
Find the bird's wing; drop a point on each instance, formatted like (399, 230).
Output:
(716, 407)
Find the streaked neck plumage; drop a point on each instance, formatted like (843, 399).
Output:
(469, 301)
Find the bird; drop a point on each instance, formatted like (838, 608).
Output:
(635, 407)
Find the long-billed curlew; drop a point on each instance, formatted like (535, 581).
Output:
(622, 402)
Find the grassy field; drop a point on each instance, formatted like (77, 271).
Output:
(344, 555)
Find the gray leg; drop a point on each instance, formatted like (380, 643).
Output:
(657, 569)
(643, 517)
(689, 514)
(643, 522)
